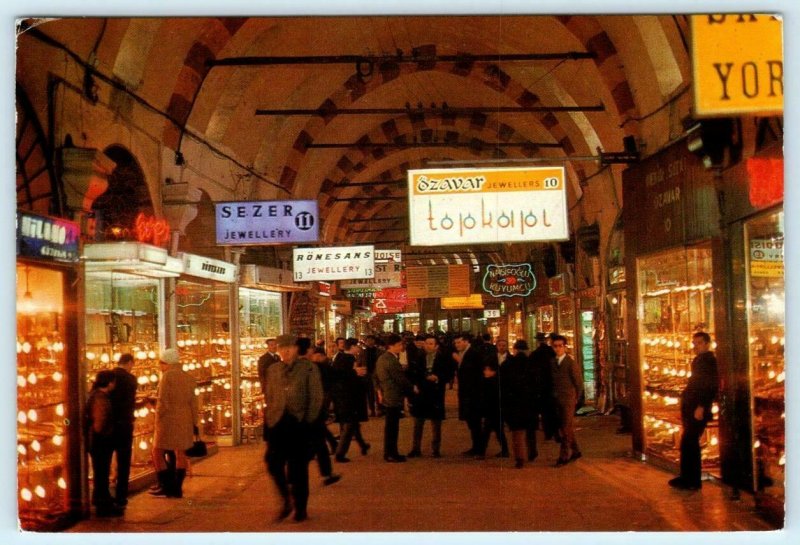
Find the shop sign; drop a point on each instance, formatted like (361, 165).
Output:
(491, 313)
(556, 285)
(205, 267)
(251, 223)
(765, 175)
(324, 289)
(333, 263)
(42, 237)
(438, 281)
(616, 275)
(766, 258)
(469, 206)
(390, 301)
(509, 280)
(360, 293)
(387, 275)
(472, 301)
(737, 64)
(151, 230)
(382, 256)
(341, 306)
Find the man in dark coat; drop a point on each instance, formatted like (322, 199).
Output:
(491, 415)
(123, 403)
(517, 386)
(394, 387)
(267, 359)
(371, 353)
(567, 389)
(696, 401)
(430, 374)
(541, 361)
(349, 401)
(470, 377)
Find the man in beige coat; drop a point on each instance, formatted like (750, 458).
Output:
(176, 417)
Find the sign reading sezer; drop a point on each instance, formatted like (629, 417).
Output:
(387, 275)
(458, 206)
(335, 263)
(47, 238)
(267, 222)
(737, 64)
(509, 280)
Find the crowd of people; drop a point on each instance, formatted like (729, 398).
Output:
(306, 392)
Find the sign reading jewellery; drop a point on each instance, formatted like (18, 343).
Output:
(267, 222)
(47, 238)
(334, 263)
(509, 280)
(468, 206)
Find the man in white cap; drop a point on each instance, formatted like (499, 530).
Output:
(293, 398)
(176, 417)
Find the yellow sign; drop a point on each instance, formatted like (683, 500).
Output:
(473, 301)
(737, 64)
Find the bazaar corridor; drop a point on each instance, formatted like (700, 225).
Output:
(606, 490)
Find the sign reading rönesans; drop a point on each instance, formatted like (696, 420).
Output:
(267, 222)
(469, 206)
(334, 263)
(737, 64)
(509, 280)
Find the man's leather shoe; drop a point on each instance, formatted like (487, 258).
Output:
(414, 454)
(470, 452)
(502, 454)
(395, 459)
(342, 459)
(110, 511)
(437, 454)
(300, 516)
(365, 449)
(680, 484)
(519, 464)
(285, 511)
(331, 479)
(575, 456)
(561, 463)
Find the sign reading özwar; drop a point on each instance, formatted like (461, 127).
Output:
(468, 206)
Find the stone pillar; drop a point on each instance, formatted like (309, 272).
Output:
(84, 173)
(180, 208)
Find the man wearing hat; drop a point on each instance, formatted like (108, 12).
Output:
(176, 417)
(294, 399)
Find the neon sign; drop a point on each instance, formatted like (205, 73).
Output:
(152, 230)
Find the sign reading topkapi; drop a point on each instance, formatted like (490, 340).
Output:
(267, 222)
(469, 206)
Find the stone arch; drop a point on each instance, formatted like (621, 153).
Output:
(127, 193)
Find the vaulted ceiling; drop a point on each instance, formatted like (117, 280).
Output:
(475, 90)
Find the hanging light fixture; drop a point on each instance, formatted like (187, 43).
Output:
(26, 305)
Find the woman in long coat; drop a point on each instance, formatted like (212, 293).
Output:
(349, 401)
(176, 417)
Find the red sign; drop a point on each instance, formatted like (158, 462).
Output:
(389, 301)
(766, 181)
(151, 230)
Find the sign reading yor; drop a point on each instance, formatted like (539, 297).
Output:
(335, 263)
(459, 206)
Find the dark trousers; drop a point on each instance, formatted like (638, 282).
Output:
(287, 457)
(123, 448)
(475, 433)
(691, 463)
(101, 451)
(320, 447)
(369, 386)
(436, 441)
(494, 424)
(391, 431)
(350, 431)
(530, 439)
(566, 429)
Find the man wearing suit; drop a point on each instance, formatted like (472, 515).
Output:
(394, 385)
(123, 403)
(696, 400)
(269, 358)
(470, 380)
(567, 389)
(430, 374)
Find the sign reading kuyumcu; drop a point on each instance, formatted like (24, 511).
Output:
(333, 263)
(473, 206)
(252, 223)
(509, 280)
(737, 64)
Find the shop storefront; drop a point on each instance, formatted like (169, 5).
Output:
(203, 329)
(616, 330)
(755, 261)
(124, 294)
(49, 392)
(671, 221)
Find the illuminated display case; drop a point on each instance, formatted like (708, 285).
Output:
(566, 322)
(766, 321)
(260, 317)
(42, 419)
(675, 301)
(124, 315)
(204, 345)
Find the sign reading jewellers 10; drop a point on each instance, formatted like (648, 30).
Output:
(469, 206)
(509, 280)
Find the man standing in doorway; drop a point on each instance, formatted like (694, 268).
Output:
(696, 400)
(567, 389)
(123, 403)
(294, 399)
(394, 385)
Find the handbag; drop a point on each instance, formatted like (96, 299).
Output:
(198, 449)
